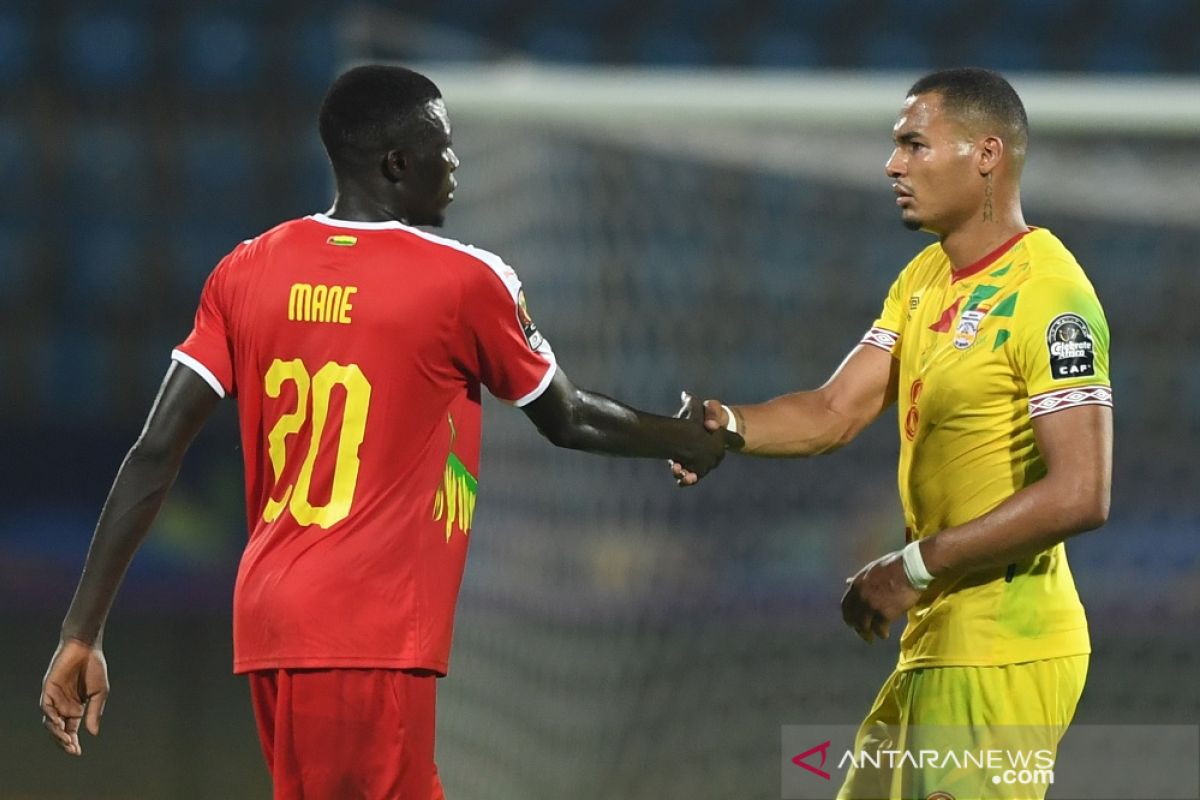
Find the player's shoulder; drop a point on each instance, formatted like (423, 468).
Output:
(249, 253)
(1049, 260)
(475, 263)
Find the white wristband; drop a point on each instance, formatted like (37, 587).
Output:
(914, 566)
(730, 419)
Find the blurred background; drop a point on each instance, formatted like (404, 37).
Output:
(694, 196)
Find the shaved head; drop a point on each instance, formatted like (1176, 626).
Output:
(984, 103)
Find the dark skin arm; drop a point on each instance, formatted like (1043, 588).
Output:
(76, 683)
(581, 420)
(813, 422)
(1073, 497)
(76, 686)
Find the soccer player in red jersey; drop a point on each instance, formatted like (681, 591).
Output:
(356, 346)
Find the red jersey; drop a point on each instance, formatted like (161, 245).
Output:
(356, 351)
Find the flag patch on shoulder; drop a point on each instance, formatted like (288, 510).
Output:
(342, 241)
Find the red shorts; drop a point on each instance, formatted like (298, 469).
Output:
(343, 734)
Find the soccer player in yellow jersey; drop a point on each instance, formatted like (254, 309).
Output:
(994, 348)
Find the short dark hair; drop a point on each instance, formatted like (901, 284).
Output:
(972, 94)
(367, 106)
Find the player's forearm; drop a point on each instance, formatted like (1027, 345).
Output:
(1031, 521)
(133, 503)
(599, 424)
(797, 424)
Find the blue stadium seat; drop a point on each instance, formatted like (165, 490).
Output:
(16, 269)
(313, 52)
(16, 47)
(77, 367)
(103, 264)
(896, 51)
(220, 52)
(106, 170)
(221, 172)
(1145, 19)
(999, 51)
(659, 47)
(312, 180)
(810, 17)
(1124, 54)
(467, 14)
(560, 43)
(106, 50)
(198, 246)
(17, 154)
(786, 49)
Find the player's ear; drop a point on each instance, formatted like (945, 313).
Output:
(393, 166)
(989, 153)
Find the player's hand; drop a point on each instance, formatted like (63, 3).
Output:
(75, 689)
(876, 596)
(713, 416)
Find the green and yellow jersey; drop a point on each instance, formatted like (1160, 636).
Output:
(1018, 334)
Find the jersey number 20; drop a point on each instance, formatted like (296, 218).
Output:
(354, 422)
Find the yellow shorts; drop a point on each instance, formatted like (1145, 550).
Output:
(966, 733)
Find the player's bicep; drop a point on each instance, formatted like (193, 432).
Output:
(508, 353)
(1076, 446)
(184, 402)
(863, 386)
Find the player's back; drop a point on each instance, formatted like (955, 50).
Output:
(356, 351)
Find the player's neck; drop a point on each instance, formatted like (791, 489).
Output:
(358, 209)
(979, 236)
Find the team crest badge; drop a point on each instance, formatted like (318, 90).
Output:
(532, 334)
(968, 328)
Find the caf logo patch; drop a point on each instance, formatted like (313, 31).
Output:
(532, 334)
(1070, 344)
(940, 795)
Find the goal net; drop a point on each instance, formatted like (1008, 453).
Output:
(734, 235)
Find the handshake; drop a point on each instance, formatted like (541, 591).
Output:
(723, 434)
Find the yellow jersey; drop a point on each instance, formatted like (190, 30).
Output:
(1018, 334)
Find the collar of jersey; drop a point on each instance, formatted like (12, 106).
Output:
(989, 259)
(389, 224)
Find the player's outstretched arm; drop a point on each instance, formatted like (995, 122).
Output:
(813, 422)
(76, 683)
(581, 420)
(819, 421)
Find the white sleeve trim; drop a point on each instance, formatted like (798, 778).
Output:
(882, 338)
(1049, 402)
(541, 387)
(201, 370)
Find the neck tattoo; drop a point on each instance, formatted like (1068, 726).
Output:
(987, 200)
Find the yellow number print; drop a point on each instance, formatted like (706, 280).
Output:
(354, 424)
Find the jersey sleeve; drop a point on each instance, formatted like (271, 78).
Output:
(888, 330)
(1060, 346)
(512, 358)
(208, 349)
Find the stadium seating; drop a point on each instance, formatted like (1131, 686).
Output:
(16, 47)
(107, 50)
(220, 52)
